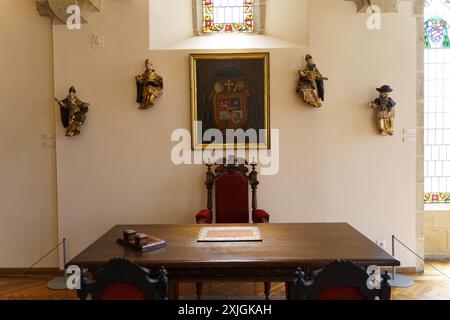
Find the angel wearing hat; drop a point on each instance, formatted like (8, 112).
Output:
(385, 109)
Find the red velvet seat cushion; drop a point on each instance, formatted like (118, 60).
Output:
(122, 292)
(204, 216)
(232, 199)
(341, 293)
(260, 216)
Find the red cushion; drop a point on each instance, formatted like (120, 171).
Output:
(122, 292)
(232, 199)
(341, 293)
(204, 216)
(260, 216)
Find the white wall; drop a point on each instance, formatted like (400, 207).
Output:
(288, 20)
(28, 226)
(177, 24)
(347, 172)
(334, 166)
(286, 26)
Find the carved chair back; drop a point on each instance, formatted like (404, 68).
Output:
(340, 280)
(230, 182)
(120, 279)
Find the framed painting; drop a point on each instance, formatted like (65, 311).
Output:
(230, 105)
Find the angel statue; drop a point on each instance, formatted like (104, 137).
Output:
(73, 113)
(311, 80)
(149, 87)
(385, 109)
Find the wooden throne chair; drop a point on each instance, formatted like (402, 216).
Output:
(231, 181)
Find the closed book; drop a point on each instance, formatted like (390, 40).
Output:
(152, 243)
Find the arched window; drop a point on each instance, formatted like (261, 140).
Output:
(437, 101)
(229, 16)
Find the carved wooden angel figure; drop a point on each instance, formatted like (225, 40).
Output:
(310, 84)
(73, 113)
(149, 87)
(385, 109)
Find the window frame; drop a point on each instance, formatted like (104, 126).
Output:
(259, 19)
(438, 196)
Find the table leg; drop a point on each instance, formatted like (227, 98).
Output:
(267, 286)
(288, 290)
(174, 290)
(199, 287)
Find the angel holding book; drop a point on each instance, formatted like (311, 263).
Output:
(310, 84)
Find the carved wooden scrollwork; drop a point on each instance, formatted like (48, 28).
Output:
(56, 10)
(231, 165)
(384, 5)
(286, 274)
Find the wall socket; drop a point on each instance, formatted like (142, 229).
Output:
(410, 135)
(47, 140)
(381, 243)
(98, 42)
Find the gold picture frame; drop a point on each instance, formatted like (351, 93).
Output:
(230, 91)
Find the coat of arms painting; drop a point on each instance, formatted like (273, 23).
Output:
(230, 94)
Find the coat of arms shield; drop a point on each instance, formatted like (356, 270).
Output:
(231, 105)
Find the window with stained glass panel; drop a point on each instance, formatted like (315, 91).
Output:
(437, 102)
(228, 16)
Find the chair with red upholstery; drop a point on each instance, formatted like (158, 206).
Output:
(231, 180)
(120, 279)
(341, 280)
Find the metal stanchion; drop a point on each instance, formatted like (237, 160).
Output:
(398, 280)
(60, 282)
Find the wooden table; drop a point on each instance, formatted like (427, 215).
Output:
(284, 248)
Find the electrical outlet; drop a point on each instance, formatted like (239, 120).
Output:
(98, 42)
(381, 243)
(410, 135)
(47, 140)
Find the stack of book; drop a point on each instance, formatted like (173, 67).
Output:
(140, 241)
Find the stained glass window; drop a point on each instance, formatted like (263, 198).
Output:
(228, 16)
(436, 33)
(437, 102)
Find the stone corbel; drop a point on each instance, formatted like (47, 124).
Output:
(56, 10)
(384, 5)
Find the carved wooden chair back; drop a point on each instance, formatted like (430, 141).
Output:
(341, 280)
(230, 182)
(120, 279)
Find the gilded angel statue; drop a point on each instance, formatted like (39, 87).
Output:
(149, 87)
(310, 81)
(73, 113)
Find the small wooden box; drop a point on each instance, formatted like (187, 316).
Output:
(128, 235)
(140, 241)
